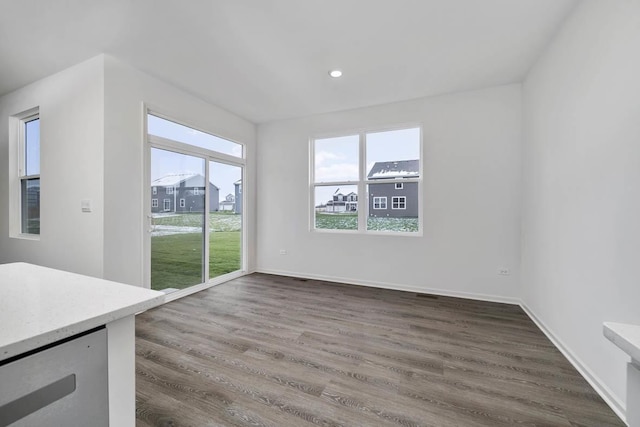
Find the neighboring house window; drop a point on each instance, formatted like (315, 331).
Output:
(182, 203)
(25, 136)
(380, 202)
(155, 190)
(366, 166)
(169, 190)
(196, 191)
(167, 204)
(154, 203)
(398, 202)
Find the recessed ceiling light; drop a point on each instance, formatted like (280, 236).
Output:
(335, 73)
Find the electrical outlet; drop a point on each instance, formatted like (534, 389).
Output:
(504, 271)
(283, 251)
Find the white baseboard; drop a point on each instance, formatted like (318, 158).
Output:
(611, 399)
(607, 395)
(394, 286)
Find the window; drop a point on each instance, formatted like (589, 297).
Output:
(379, 203)
(398, 202)
(171, 130)
(169, 190)
(155, 191)
(196, 191)
(370, 163)
(182, 203)
(167, 204)
(154, 203)
(25, 137)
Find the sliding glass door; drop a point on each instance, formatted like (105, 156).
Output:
(225, 238)
(195, 209)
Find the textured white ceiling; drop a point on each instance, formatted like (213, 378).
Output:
(268, 59)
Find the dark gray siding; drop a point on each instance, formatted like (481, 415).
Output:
(388, 190)
(192, 202)
(238, 198)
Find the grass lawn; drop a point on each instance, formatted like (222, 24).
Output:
(349, 221)
(176, 260)
(218, 221)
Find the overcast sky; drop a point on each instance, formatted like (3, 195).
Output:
(167, 163)
(336, 159)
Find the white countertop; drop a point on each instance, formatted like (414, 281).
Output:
(625, 336)
(39, 305)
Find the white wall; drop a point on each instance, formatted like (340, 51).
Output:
(581, 185)
(71, 118)
(472, 154)
(124, 228)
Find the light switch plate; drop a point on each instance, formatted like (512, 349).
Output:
(85, 204)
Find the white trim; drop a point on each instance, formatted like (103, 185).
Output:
(363, 180)
(399, 186)
(164, 205)
(394, 286)
(154, 190)
(379, 202)
(183, 203)
(154, 203)
(594, 381)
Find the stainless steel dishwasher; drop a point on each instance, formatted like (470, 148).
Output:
(61, 385)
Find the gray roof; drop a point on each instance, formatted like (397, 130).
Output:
(396, 169)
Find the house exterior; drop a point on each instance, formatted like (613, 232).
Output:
(389, 197)
(182, 193)
(228, 204)
(238, 196)
(343, 203)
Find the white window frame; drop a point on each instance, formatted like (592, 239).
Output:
(168, 190)
(182, 203)
(196, 191)
(155, 190)
(377, 200)
(17, 170)
(158, 142)
(399, 186)
(400, 201)
(362, 183)
(164, 205)
(154, 203)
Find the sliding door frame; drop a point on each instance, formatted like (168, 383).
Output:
(153, 141)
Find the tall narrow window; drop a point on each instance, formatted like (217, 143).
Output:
(29, 173)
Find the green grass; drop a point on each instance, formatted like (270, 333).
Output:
(349, 221)
(218, 221)
(337, 221)
(176, 260)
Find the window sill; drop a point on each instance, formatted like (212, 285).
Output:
(24, 236)
(369, 233)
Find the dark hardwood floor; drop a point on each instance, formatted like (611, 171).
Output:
(268, 350)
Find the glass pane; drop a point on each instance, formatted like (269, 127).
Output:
(391, 157)
(30, 197)
(393, 207)
(177, 217)
(336, 208)
(177, 132)
(225, 219)
(32, 147)
(336, 159)
(393, 154)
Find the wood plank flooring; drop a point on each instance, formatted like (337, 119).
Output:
(268, 350)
